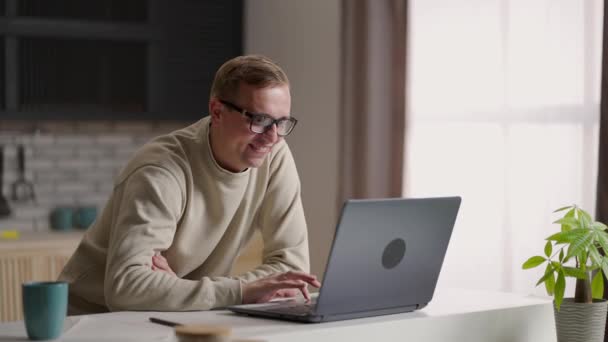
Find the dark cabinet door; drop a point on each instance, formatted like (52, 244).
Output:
(139, 59)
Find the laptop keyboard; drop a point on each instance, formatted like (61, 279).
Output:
(299, 309)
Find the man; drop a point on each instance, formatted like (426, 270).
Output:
(188, 201)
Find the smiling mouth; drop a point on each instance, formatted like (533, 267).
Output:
(260, 149)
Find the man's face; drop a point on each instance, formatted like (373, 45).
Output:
(237, 147)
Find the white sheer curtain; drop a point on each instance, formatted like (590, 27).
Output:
(503, 110)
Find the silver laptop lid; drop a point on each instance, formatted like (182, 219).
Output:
(387, 253)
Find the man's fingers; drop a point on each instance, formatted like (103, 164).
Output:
(305, 293)
(160, 263)
(286, 285)
(309, 278)
(286, 293)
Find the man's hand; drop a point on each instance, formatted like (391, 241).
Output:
(286, 284)
(159, 263)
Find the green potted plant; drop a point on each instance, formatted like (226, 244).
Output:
(576, 251)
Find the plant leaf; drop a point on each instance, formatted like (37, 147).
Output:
(584, 218)
(561, 255)
(568, 236)
(548, 272)
(602, 239)
(597, 285)
(598, 259)
(548, 249)
(533, 262)
(570, 222)
(549, 279)
(560, 287)
(580, 243)
(569, 214)
(598, 226)
(562, 209)
(574, 272)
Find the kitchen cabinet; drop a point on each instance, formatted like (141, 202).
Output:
(113, 59)
(42, 256)
(33, 257)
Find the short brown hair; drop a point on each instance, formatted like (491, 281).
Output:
(255, 70)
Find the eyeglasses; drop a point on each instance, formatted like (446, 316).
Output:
(260, 123)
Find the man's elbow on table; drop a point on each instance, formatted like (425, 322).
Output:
(128, 290)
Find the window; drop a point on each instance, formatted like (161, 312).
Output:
(504, 103)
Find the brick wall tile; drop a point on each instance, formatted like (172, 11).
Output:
(56, 200)
(75, 188)
(110, 164)
(7, 140)
(97, 175)
(56, 126)
(163, 127)
(75, 140)
(125, 153)
(114, 139)
(44, 189)
(94, 151)
(97, 200)
(43, 177)
(80, 165)
(23, 225)
(39, 164)
(21, 211)
(43, 140)
(52, 152)
(133, 127)
(94, 126)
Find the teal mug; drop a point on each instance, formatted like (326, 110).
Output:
(62, 218)
(85, 216)
(45, 306)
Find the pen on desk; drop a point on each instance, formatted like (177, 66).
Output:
(163, 322)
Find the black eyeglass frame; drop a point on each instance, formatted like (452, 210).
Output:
(251, 116)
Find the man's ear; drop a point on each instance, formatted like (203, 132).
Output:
(215, 110)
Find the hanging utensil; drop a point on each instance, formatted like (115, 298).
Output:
(23, 190)
(5, 210)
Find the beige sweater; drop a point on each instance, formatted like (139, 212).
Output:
(174, 198)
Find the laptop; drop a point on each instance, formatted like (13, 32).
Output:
(385, 259)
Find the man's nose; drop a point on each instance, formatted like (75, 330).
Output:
(271, 134)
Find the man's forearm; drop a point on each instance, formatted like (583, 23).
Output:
(140, 288)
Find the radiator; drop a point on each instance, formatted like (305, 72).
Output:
(15, 270)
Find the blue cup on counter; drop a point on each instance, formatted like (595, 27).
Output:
(84, 217)
(45, 306)
(62, 218)
(66, 218)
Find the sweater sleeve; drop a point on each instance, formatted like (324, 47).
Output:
(145, 220)
(282, 222)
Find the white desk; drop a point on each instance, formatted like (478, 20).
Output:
(453, 315)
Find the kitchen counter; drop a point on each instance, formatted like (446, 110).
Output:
(44, 240)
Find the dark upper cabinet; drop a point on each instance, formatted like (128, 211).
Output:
(113, 59)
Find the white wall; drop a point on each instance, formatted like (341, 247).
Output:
(304, 38)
